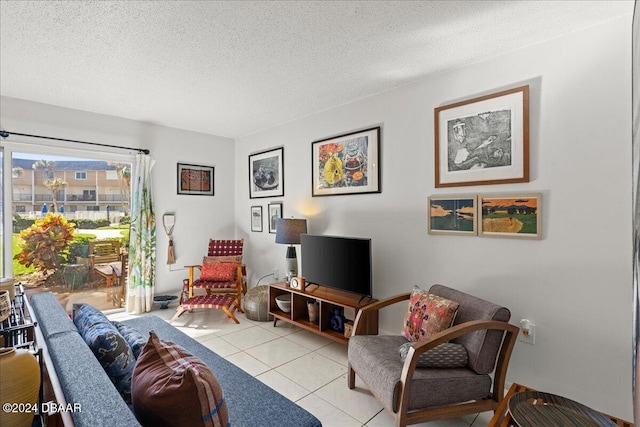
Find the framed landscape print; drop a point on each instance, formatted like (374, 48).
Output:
(453, 215)
(256, 218)
(266, 174)
(483, 140)
(194, 179)
(510, 215)
(274, 212)
(346, 164)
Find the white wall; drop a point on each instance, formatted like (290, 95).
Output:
(197, 217)
(575, 284)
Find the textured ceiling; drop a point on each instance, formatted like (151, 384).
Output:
(235, 68)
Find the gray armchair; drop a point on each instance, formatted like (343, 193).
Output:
(414, 395)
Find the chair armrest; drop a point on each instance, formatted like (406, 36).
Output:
(375, 306)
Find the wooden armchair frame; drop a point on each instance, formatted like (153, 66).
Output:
(237, 291)
(400, 413)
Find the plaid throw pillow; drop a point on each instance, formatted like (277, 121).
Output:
(427, 314)
(218, 271)
(172, 387)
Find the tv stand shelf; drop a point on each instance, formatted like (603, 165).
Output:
(328, 300)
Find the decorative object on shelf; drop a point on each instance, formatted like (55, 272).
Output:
(5, 305)
(274, 212)
(195, 180)
(348, 328)
(455, 214)
(510, 215)
(346, 164)
(288, 231)
(8, 284)
(20, 384)
(483, 140)
(297, 283)
(256, 218)
(312, 308)
(284, 302)
(266, 174)
(338, 319)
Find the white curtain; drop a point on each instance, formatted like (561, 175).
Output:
(142, 240)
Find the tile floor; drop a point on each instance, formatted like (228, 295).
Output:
(306, 368)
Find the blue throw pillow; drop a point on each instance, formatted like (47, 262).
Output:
(109, 347)
(134, 338)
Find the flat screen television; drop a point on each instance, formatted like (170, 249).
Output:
(337, 262)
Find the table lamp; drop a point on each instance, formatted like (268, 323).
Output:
(288, 231)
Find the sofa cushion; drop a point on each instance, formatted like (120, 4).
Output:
(108, 346)
(426, 315)
(445, 355)
(134, 338)
(172, 387)
(375, 359)
(482, 346)
(218, 271)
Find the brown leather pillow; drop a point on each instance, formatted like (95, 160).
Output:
(171, 387)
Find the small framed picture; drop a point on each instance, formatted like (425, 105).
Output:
(346, 164)
(453, 215)
(256, 218)
(195, 180)
(515, 216)
(266, 174)
(483, 140)
(275, 212)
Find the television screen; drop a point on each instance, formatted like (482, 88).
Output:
(337, 262)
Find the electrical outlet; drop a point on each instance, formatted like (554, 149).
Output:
(527, 332)
(275, 274)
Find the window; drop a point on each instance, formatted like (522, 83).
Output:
(112, 175)
(81, 175)
(48, 174)
(18, 208)
(93, 208)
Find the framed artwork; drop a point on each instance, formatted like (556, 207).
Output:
(194, 179)
(266, 174)
(483, 140)
(274, 212)
(453, 215)
(510, 215)
(256, 218)
(346, 164)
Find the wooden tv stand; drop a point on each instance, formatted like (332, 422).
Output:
(328, 299)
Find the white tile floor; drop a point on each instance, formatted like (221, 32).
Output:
(306, 368)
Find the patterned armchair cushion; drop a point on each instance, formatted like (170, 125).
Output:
(446, 355)
(218, 271)
(134, 338)
(109, 347)
(172, 387)
(427, 314)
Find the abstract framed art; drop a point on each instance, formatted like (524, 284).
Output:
(514, 215)
(483, 140)
(456, 215)
(346, 164)
(195, 180)
(266, 174)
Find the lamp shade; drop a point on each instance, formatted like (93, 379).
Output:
(288, 230)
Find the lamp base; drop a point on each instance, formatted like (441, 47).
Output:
(291, 261)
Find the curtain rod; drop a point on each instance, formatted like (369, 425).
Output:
(5, 134)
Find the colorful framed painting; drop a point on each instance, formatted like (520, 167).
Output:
(346, 164)
(483, 140)
(195, 180)
(510, 215)
(256, 218)
(456, 215)
(266, 174)
(274, 212)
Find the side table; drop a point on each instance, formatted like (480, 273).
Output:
(502, 417)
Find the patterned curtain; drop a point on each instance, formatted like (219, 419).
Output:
(142, 240)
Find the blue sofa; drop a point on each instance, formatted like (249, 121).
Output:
(82, 380)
